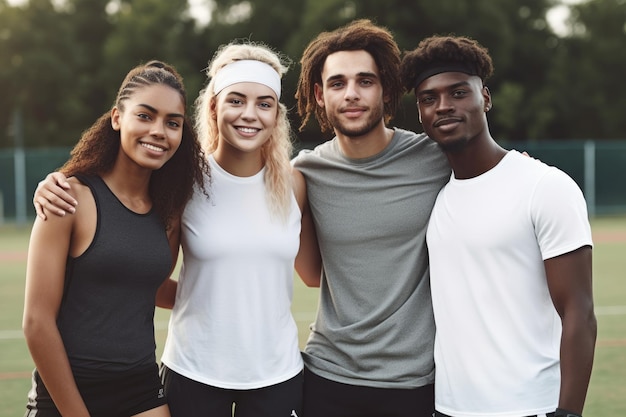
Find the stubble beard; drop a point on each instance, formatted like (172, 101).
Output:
(368, 125)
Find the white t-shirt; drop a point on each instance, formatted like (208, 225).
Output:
(231, 326)
(498, 334)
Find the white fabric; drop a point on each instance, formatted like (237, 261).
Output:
(247, 71)
(498, 334)
(231, 326)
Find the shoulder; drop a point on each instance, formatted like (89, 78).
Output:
(79, 190)
(418, 142)
(542, 172)
(325, 150)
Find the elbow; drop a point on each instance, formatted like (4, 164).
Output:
(592, 325)
(33, 327)
(311, 279)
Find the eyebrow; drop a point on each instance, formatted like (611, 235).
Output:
(449, 87)
(268, 97)
(154, 110)
(363, 74)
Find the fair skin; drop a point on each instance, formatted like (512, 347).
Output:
(151, 131)
(452, 107)
(246, 114)
(352, 95)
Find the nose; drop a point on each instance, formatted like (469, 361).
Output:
(158, 129)
(351, 91)
(444, 104)
(249, 111)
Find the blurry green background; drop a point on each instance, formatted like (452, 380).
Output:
(559, 64)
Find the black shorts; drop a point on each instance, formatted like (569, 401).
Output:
(326, 398)
(189, 398)
(106, 394)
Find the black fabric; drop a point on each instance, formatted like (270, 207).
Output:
(106, 319)
(106, 394)
(326, 398)
(189, 398)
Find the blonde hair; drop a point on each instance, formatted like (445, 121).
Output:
(276, 152)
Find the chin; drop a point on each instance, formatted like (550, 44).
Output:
(453, 146)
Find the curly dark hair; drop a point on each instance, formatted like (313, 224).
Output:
(438, 50)
(171, 186)
(358, 35)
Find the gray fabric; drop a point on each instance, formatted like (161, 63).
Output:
(107, 314)
(374, 325)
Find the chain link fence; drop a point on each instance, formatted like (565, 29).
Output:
(598, 167)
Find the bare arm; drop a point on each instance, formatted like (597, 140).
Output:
(308, 260)
(570, 284)
(52, 196)
(166, 294)
(45, 274)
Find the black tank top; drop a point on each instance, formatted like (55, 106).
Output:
(106, 317)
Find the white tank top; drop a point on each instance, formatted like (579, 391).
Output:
(231, 326)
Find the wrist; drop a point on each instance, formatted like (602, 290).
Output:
(561, 412)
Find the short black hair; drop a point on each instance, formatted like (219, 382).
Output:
(441, 51)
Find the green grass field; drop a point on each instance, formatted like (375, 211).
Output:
(607, 392)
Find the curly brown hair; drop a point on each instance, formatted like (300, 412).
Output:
(171, 186)
(358, 35)
(438, 50)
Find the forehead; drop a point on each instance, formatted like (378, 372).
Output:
(447, 80)
(160, 96)
(348, 63)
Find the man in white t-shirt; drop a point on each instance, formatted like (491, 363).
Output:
(510, 255)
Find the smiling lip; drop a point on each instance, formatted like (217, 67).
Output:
(152, 147)
(353, 110)
(247, 130)
(447, 121)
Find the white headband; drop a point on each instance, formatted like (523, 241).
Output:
(247, 71)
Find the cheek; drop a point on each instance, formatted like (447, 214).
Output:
(176, 141)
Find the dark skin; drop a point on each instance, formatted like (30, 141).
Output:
(452, 108)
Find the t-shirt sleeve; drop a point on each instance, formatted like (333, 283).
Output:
(560, 217)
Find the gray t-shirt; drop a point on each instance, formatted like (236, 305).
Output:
(374, 325)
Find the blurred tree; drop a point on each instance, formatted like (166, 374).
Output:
(149, 29)
(586, 82)
(37, 50)
(62, 61)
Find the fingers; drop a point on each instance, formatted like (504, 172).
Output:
(39, 211)
(54, 202)
(58, 179)
(51, 195)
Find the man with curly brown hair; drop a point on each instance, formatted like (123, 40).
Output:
(371, 189)
(510, 254)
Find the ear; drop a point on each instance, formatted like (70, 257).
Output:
(213, 109)
(115, 119)
(487, 98)
(319, 94)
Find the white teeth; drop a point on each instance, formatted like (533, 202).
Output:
(152, 147)
(247, 129)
